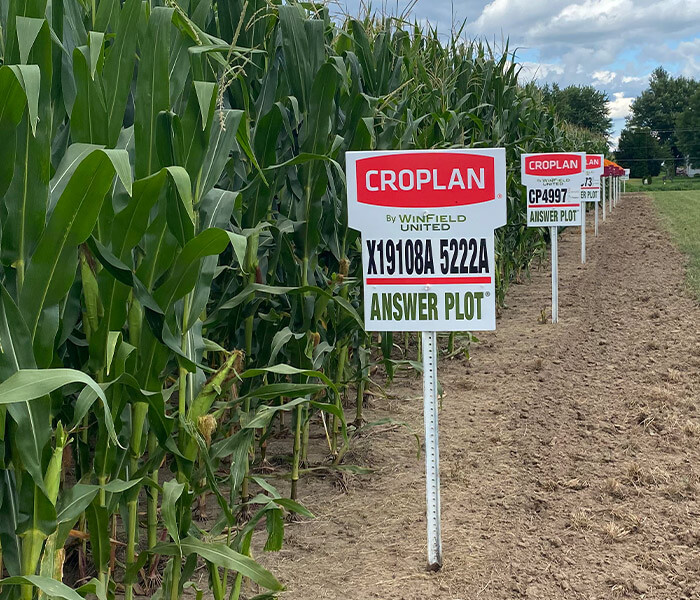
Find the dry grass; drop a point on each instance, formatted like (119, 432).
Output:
(691, 429)
(638, 475)
(575, 484)
(650, 420)
(580, 519)
(613, 487)
(632, 522)
(685, 489)
(613, 532)
(673, 376)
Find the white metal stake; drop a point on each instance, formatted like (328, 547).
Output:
(583, 233)
(432, 453)
(596, 217)
(624, 186)
(555, 275)
(603, 180)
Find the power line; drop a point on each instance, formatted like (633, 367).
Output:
(641, 128)
(663, 158)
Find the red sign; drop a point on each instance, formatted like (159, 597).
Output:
(425, 179)
(553, 166)
(593, 161)
(613, 171)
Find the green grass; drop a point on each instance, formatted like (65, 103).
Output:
(657, 184)
(680, 211)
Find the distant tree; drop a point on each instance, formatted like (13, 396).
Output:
(688, 130)
(580, 105)
(660, 106)
(640, 151)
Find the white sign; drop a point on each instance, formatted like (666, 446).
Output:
(427, 219)
(553, 181)
(626, 176)
(590, 190)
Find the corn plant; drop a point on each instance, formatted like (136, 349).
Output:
(179, 283)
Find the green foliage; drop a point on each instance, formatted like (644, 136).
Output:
(681, 215)
(659, 107)
(688, 130)
(677, 184)
(582, 106)
(177, 271)
(640, 151)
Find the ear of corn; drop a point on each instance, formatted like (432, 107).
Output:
(176, 255)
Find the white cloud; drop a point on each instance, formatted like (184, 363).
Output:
(604, 76)
(630, 79)
(539, 71)
(689, 56)
(619, 106)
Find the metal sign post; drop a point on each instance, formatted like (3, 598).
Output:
(590, 192)
(596, 219)
(583, 234)
(612, 193)
(555, 274)
(602, 179)
(432, 450)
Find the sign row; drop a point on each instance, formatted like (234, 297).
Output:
(427, 219)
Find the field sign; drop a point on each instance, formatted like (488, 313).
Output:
(553, 181)
(427, 219)
(590, 190)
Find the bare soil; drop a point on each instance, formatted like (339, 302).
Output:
(570, 453)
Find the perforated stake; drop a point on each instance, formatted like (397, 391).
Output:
(604, 183)
(432, 453)
(555, 274)
(583, 232)
(596, 218)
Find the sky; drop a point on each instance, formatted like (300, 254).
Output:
(613, 45)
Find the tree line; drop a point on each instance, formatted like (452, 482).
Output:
(663, 130)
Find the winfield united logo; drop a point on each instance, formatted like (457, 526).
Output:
(425, 180)
(553, 165)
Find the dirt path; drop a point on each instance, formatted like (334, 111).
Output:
(570, 454)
